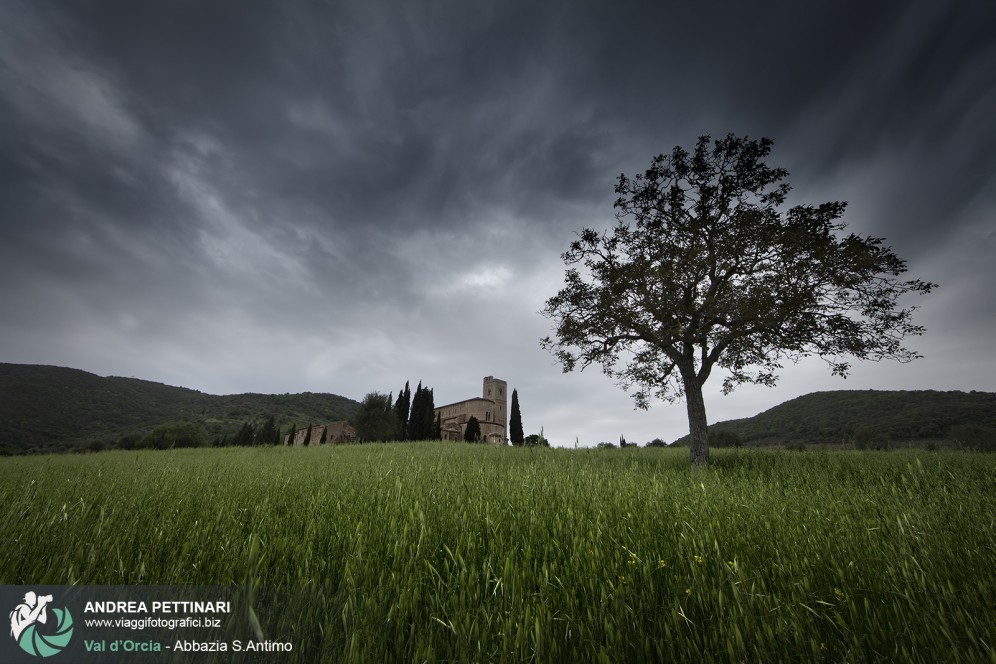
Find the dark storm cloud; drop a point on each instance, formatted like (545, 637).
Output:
(370, 113)
(913, 115)
(336, 196)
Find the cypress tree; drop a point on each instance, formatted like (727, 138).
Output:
(401, 408)
(416, 420)
(407, 405)
(473, 432)
(437, 428)
(399, 423)
(290, 434)
(268, 433)
(515, 422)
(245, 436)
(307, 436)
(324, 437)
(429, 416)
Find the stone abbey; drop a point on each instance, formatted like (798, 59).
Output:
(490, 409)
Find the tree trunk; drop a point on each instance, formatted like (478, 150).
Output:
(697, 423)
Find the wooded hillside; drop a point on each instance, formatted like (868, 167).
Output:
(46, 408)
(868, 417)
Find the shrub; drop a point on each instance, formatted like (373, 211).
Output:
(95, 446)
(974, 436)
(724, 438)
(536, 440)
(174, 435)
(128, 441)
(867, 437)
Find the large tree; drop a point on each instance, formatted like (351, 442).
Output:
(706, 268)
(375, 419)
(515, 433)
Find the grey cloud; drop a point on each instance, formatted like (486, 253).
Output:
(339, 196)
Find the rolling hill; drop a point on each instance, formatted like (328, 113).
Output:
(46, 408)
(868, 417)
(54, 409)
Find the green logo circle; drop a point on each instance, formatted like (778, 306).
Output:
(33, 642)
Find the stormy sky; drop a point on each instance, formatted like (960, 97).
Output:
(339, 196)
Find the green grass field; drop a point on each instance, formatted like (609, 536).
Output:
(454, 552)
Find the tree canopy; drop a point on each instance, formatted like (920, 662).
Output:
(705, 269)
(376, 419)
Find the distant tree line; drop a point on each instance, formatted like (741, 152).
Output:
(188, 433)
(55, 409)
(250, 435)
(410, 417)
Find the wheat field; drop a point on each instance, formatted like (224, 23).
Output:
(456, 552)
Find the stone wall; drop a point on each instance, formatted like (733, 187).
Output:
(336, 433)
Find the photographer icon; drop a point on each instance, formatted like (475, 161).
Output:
(28, 613)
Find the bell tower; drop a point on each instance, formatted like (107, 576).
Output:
(497, 390)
